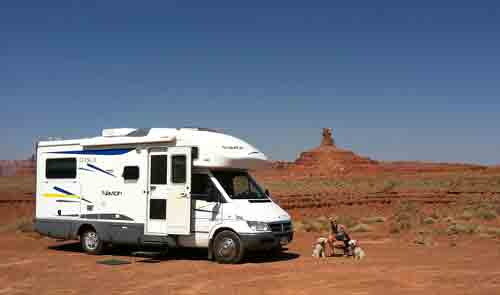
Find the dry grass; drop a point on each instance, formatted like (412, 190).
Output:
(321, 224)
(374, 219)
(463, 228)
(360, 228)
(464, 182)
(483, 210)
(407, 217)
(429, 220)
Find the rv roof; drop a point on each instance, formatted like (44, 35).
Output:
(126, 136)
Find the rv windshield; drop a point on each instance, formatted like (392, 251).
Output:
(239, 185)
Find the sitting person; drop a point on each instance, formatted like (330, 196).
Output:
(338, 233)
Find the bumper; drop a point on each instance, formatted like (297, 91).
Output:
(265, 241)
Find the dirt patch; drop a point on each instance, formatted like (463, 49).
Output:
(392, 266)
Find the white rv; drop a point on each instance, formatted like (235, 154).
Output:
(184, 187)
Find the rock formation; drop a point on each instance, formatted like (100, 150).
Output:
(327, 139)
(323, 161)
(329, 159)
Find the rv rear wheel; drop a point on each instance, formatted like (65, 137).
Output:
(91, 243)
(228, 247)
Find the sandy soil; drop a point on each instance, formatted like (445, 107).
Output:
(31, 265)
(463, 264)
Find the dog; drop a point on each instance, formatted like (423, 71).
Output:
(319, 248)
(358, 252)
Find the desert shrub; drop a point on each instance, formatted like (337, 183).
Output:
(388, 186)
(406, 217)
(311, 225)
(467, 214)
(449, 219)
(360, 228)
(486, 214)
(424, 240)
(316, 225)
(321, 224)
(463, 228)
(429, 220)
(374, 219)
(484, 210)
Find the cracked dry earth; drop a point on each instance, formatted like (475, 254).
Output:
(31, 265)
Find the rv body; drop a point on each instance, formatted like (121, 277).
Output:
(165, 187)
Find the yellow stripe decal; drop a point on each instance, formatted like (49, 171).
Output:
(61, 196)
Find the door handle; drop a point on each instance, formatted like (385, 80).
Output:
(183, 195)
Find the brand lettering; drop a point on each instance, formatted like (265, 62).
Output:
(232, 147)
(111, 193)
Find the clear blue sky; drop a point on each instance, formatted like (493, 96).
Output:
(396, 80)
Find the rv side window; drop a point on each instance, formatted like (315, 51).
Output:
(159, 169)
(131, 172)
(64, 168)
(157, 208)
(179, 169)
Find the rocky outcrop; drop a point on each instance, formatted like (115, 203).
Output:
(328, 159)
(327, 139)
(323, 161)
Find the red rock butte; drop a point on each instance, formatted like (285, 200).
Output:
(331, 159)
(326, 160)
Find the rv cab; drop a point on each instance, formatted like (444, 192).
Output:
(164, 187)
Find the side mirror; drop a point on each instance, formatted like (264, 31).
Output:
(212, 194)
(267, 193)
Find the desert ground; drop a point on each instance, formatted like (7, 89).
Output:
(418, 240)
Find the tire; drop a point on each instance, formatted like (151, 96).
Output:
(228, 248)
(91, 242)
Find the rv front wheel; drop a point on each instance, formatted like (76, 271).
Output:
(228, 247)
(91, 243)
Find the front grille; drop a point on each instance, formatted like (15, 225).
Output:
(281, 227)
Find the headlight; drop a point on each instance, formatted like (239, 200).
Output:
(258, 226)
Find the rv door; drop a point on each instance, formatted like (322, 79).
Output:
(179, 191)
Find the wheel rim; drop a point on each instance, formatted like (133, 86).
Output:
(227, 248)
(91, 240)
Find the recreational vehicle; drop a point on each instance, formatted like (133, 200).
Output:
(164, 187)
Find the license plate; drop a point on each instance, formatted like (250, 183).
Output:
(284, 241)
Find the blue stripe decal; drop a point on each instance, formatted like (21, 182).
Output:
(110, 152)
(99, 169)
(63, 191)
(86, 200)
(68, 193)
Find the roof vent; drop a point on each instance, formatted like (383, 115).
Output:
(117, 132)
